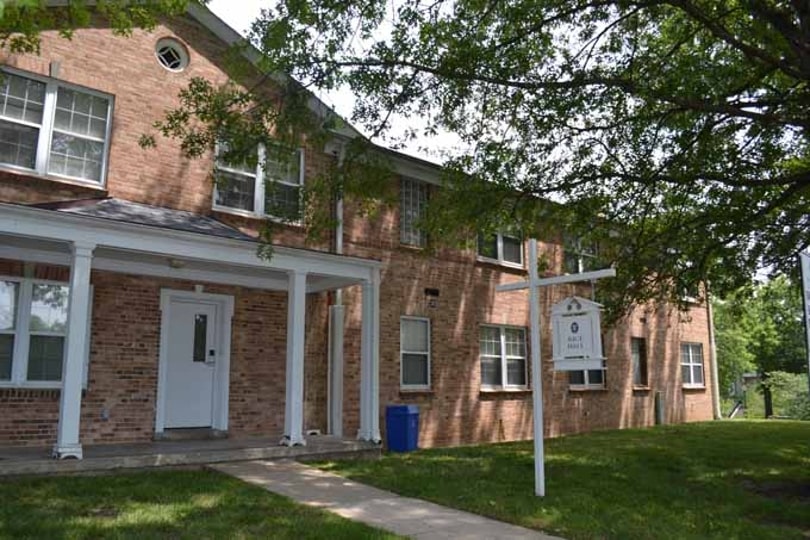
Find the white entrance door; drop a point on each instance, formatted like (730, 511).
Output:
(191, 354)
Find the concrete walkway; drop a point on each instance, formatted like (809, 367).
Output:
(408, 517)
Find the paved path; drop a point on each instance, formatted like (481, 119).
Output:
(408, 517)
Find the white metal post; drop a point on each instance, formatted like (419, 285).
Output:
(70, 400)
(804, 262)
(296, 321)
(537, 374)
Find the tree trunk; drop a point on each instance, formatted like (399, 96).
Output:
(766, 393)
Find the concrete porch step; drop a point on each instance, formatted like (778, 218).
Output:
(35, 461)
(191, 434)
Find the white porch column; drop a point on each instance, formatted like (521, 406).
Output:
(70, 400)
(369, 361)
(296, 320)
(336, 330)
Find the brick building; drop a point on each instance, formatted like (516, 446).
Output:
(133, 302)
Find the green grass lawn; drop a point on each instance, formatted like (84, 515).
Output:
(725, 480)
(166, 504)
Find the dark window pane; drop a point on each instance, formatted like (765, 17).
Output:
(21, 98)
(283, 201)
(200, 336)
(576, 377)
(686, 374)
(6, 353)
(235, 190)
(516, 372)
(512, 250)
(570, 262)
(491, 371)
(638, 348)
(45, 358)
(18, 145)
(697, 374)
(488, 246)
(596, 376)
(414, 369)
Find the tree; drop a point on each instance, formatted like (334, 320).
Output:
(682, 124)
(674, 132)
(761, 328)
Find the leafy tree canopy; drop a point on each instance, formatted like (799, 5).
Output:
(674, 132)
(760, 328)
(678, 127)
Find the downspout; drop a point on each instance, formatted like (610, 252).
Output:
(718, 414)
(334, 387)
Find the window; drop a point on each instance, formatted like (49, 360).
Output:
(413, 196)
(638, 354)
(50, 128)
(503, 357)
(500, 247)
(591, 379)
(692, 364)
(171, 54)
(270, 187)
(578, 256)
(33, 331)
(414, 335)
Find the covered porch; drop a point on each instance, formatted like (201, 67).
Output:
(125, 238)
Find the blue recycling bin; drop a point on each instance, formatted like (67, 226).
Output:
(402, 427)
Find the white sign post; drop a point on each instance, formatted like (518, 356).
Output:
(804, 261)
(534, 285)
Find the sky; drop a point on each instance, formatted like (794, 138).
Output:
(239, 15)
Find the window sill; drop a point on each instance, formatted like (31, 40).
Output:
(253, 215)
(30, 386)
(695, 387)
(497, 390)
(584, 389)
(86, 184)
(641, 388)
(499, 263)
(416, 391)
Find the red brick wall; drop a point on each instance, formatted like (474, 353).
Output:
(124, 349)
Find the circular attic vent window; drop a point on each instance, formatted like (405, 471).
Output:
(171, 54)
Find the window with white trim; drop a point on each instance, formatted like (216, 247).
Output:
(590, 379)
(502, 352)
(413, 197)
(51, 128)
(33, 332)
(269, 185)
(414, 352)
(503, 248)
(638, 355)
(579, 256)
(692, 364)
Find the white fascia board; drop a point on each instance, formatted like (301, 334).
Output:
(53, 225)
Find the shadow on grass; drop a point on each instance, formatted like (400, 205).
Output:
(168, 504)
(686, 481)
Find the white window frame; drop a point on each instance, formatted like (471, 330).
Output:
(259, 190)
(690, 361)
(643, 361)
(410, 234)
(500, 259)
(504, 359)
(573, 245)
(46, 129)
(22, 336)
(403, 352)
(588, 385)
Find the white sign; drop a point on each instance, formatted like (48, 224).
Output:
(804, 260)
(576, 335)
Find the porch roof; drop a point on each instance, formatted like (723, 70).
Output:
(139, 239)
